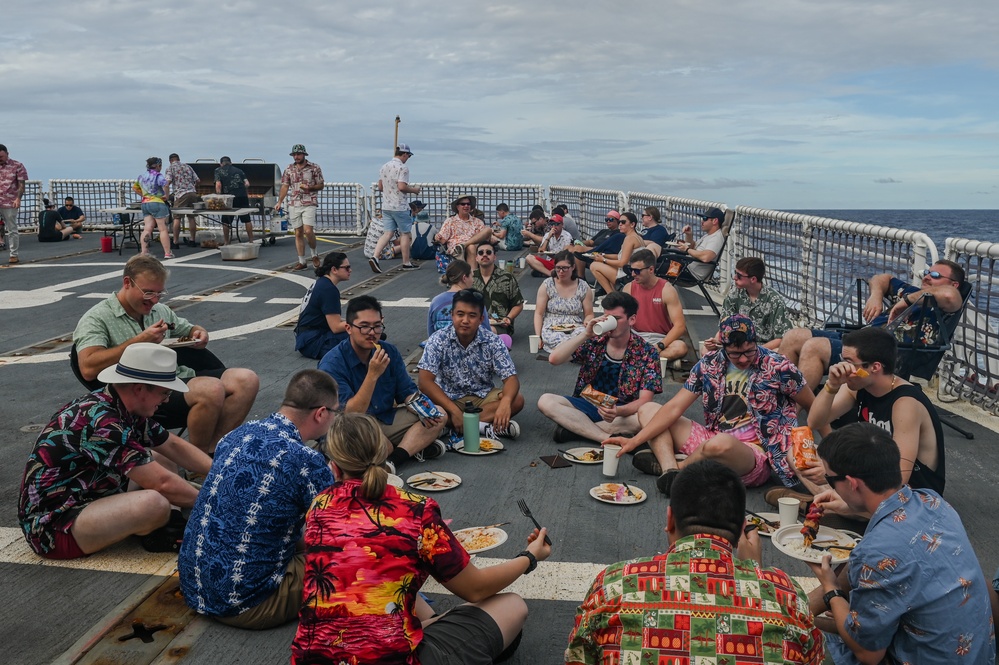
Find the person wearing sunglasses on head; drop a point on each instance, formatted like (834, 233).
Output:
(460, 365)
(320, 326)
(814, 350)
(750, 396)
(504, 301)
(660, 319)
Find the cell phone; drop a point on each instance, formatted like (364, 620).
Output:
(555, 461)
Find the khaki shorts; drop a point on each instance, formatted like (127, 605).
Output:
(299, 215)
(186, 200)
(280, 607)
(404, 419)
(494, 395)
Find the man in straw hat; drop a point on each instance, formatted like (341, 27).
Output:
(300, 184)
(74, 499)
(461, 232)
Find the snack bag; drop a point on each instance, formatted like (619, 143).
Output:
(597, 398)
(675, 267)
(803, 448)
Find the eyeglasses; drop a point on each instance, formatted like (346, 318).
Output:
(936, 274)
(645, 214)
(611, 219)
(739, 275)
(832, 480)
(635, 271)
(464, 203)
(735, 355)
(365, 329)
(484, 253)
(556, 223)
(331, 409)
(562, 268)
(149, 294)
(347, 268)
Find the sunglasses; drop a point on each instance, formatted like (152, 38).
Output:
(739, 275)
(936, 274)
(485, 253)
(634, 271)
(611, 219)
(471, 293)
(464, 203)
(832, 480)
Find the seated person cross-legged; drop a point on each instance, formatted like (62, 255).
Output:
(750, 396)
(369, 548)
(217, 399)
(815, 350)
(52, 227)
(618, 363)
(373, 379)
(864, 383)
(459, 365)
(564, 304)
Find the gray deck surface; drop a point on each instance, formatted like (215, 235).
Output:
(47, 608)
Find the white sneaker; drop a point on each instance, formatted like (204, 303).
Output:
(511, 432)
(391, 467)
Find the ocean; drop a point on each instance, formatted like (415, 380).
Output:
(937, 224)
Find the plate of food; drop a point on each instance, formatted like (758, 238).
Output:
(434, 481)
(480, 539)
(617, 493)
(585, 455)
(178, 342)
(395, 481)
(791, 541)
(486, 447)
(564, 327)
(764, 528)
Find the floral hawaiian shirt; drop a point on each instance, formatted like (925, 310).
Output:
(308, 173)
(916, 587)
(11, 173)
(768, 312)
(640, 368)
(696, 603)
(84, 454)
(556, 243)
(457, 231)
(773, 383)
(390, 175)
(365, 562)
(182, 178)
(233, 180)
(464, 371)
(502, 292)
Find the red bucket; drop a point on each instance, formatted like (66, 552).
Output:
(107, 244)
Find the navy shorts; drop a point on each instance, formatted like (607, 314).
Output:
(466, 635)
(835, 338)
(588, 409)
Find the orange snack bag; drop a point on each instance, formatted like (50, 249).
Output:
(803, 448)
(862, 373)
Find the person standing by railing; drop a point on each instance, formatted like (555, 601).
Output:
(393, 183)
(13, 175)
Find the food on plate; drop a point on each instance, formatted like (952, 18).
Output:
(486, 445)
(597, 398)
(592, 456)
(477, 539)
(760, 524)
(564, 327)
(185, 338)
(803, 447)
(617, 493)
(811, 525)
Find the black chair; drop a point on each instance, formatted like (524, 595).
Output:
(687, 278)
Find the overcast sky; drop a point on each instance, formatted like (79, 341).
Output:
(771, 103)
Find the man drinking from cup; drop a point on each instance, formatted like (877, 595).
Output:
(619, 373)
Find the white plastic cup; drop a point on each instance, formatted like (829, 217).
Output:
(502, 264)
(522, 262)
(787, 508)
(535, 342)
(605, 326)
(611, 459)
(663, 366)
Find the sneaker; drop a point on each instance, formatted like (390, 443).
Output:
(190, 243)
(391, 467)
(410, 266)
(562, 435)
(452, 439)
(167, 256)
(511, 432)
(646, 462)
(373, 262)
(174, 245)
(433, 451)
(664, 483)
(315, 261)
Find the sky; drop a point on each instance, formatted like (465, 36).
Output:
(778, 104)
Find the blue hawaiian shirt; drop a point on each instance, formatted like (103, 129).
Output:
(916, 587)
(249, 515)
(773, 383)
(464, 371)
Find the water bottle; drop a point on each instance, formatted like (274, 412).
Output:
(116, 219)
(470, 425)
(284, 222)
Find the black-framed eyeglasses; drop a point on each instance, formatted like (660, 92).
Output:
(562, 268)
(347, 268)
(484, 253)
(635, 271)
(832, 480)
(735, 355)
(471, 293)
(365, 329)
(935, 274)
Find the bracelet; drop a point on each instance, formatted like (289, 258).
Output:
(829, 595)
(533, 561)
(831, 392)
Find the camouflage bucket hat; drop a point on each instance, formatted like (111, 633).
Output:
(298, 147)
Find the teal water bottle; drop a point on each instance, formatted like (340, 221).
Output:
(470, 424)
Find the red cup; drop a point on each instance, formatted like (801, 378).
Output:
(107, 244)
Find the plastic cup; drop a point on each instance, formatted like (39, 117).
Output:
(107, 244)
(611, 459)
(522, 262)
(604, 326)
(535, 342)
(663, 366)
(501, 264)
(787, 508)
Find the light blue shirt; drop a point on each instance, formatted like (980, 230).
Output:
(464, 371)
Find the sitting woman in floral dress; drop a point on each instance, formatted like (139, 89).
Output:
(564, 303)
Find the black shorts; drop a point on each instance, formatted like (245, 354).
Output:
(172, 414)
(465, 635)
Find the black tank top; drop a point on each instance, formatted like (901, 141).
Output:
(877, 411)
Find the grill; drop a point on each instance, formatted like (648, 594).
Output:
(265, 180)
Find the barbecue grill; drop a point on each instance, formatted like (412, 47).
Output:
(265, 180)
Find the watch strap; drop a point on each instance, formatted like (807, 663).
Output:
(530, 557)
(829, 595)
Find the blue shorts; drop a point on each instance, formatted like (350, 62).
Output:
(156, 210)
(586, 408)
(397, 220)
(835, 338)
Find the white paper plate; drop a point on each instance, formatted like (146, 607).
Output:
(395, 481)
(495, 536)
(788, 540)
(773, 517)
(496, 446)
(175, 343)
(579, 452)
(614, 493)
(442, 481)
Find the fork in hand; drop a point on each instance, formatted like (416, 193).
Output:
(527, 513)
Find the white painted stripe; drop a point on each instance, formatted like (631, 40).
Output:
(217, 297)
(283, 301)
(553, 580)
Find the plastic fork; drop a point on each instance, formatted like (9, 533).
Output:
(527, 513)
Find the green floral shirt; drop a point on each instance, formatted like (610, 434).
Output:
(769, 312)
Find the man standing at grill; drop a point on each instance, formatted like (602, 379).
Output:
(184, 186)
(303, 179)
(232, 180)
(13, 175)
(393, 183)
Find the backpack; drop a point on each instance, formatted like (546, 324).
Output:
(423, 247)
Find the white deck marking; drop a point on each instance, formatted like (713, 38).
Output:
(283, 301)
(217, 297)
(553, 580)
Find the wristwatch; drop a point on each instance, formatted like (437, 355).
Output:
(829, 595)
(530, 557)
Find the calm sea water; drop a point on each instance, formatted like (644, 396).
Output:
(937, 224)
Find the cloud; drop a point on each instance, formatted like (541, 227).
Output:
(887, 181)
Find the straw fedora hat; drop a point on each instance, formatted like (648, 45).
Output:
(454, 204)
(145, 363)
